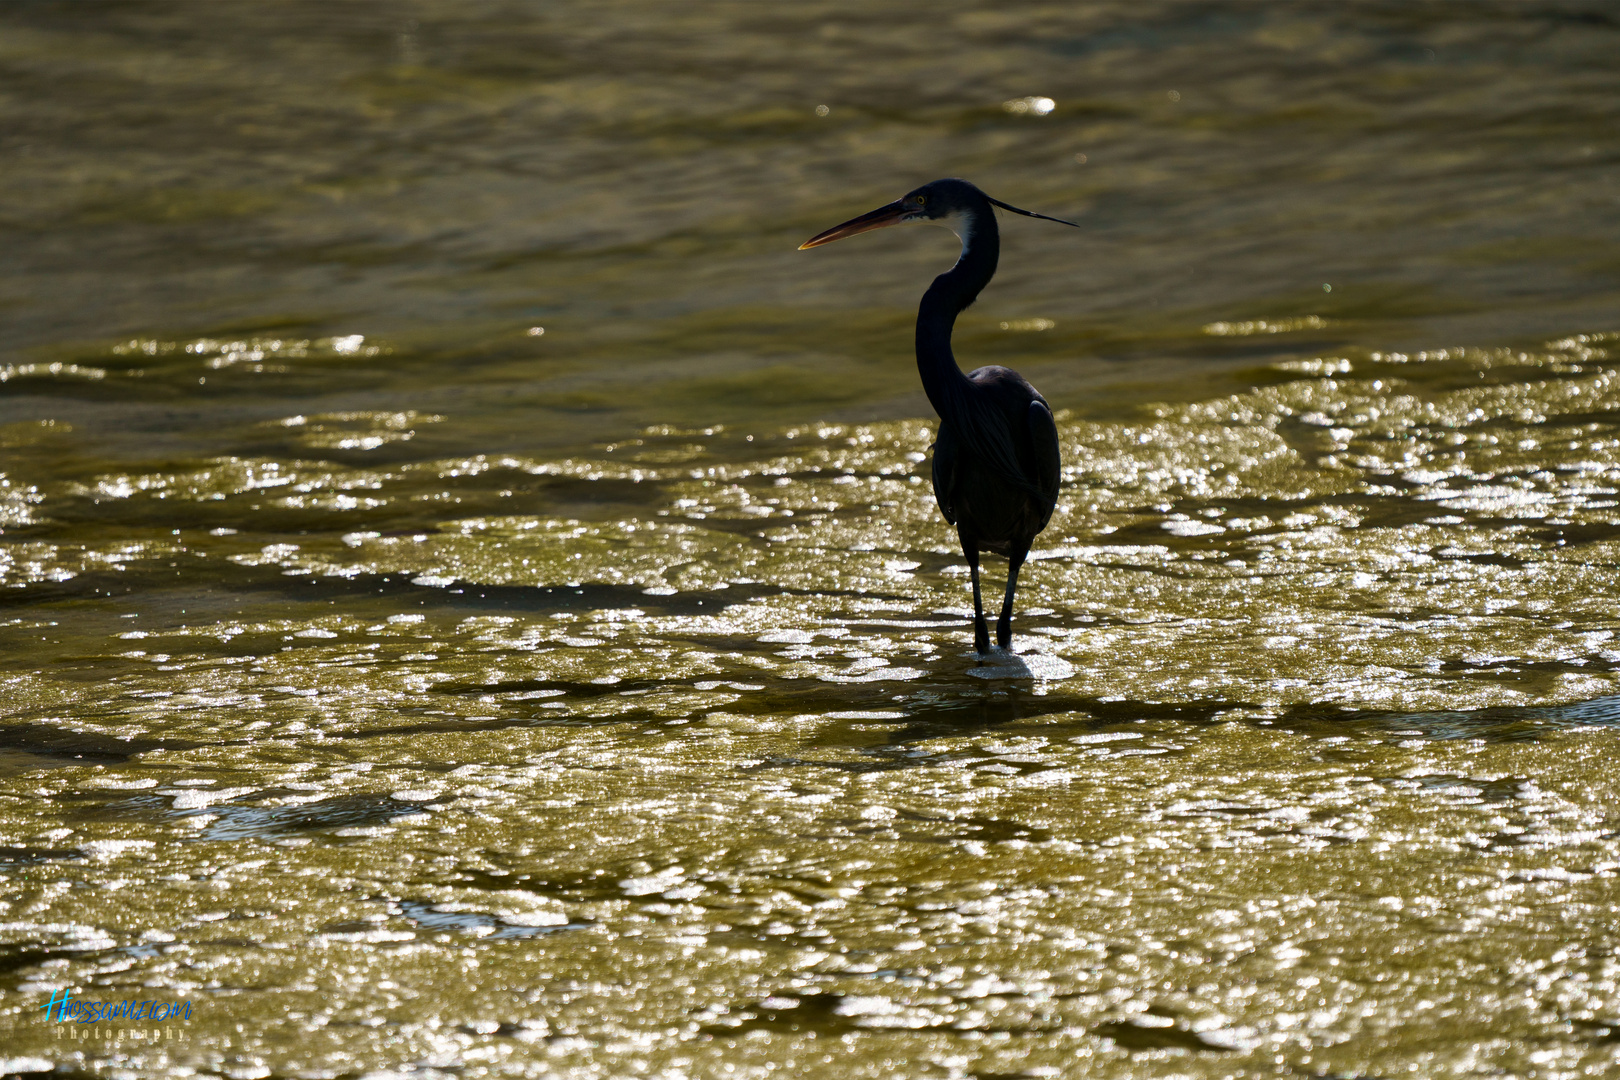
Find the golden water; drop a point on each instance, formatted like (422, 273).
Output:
(418, 694)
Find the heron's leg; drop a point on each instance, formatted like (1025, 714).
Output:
(981, 629)
(1015, 560)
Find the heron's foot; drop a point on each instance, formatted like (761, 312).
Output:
(981, 637)
(1004, 632)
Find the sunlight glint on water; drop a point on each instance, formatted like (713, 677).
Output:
(420, 695)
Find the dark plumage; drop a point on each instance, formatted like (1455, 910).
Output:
(996, 468)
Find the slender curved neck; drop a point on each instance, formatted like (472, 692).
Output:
(947, 297)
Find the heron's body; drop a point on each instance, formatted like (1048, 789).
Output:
(996, 469)
(972, 492)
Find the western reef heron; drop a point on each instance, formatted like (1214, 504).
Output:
(996, 468)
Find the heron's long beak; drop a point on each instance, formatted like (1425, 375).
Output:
(881, 218)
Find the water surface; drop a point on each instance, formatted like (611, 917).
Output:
(473, 603)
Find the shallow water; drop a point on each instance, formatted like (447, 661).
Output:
(418, 694)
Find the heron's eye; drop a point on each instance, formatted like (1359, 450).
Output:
(920, 199)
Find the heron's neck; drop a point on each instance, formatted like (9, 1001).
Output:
(948, 296)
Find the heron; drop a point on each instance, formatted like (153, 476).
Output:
(996, 466)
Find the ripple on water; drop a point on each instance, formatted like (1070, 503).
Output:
(699, 769)
(487, 698)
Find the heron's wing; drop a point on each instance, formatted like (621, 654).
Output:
(987, 425)
(1043, 439)
(944, 449)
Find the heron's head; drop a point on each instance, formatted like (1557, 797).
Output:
(955, 204)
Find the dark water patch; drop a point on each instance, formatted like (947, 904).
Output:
(572, 689)
(434, 727)
(536, 720)
(1576, 535)
(102, 805)
(600, 883)
(1598, 1031)
(1159, 1030)
(826, 1013)
(224, 588)
(1501, 724)
(968, 713)
(1502, 790)
(1511, 562)
(54, 742)
(1303, 344)
(856, 768)
(965, 827)
(425, 914)
(591, 500)
(1222, 811)
(1599, 419)
(817, 1012)
(822, 1013)
(11, 858)
(1510, 670)
(22, 957)
(948, 714)
(957, 715)
(620, 879)
(396, 475)
(1401, 511)
(236, 822)
(468, 596)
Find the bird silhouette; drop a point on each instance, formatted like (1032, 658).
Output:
(996, 468)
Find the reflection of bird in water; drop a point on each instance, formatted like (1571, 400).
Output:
(996, 467)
